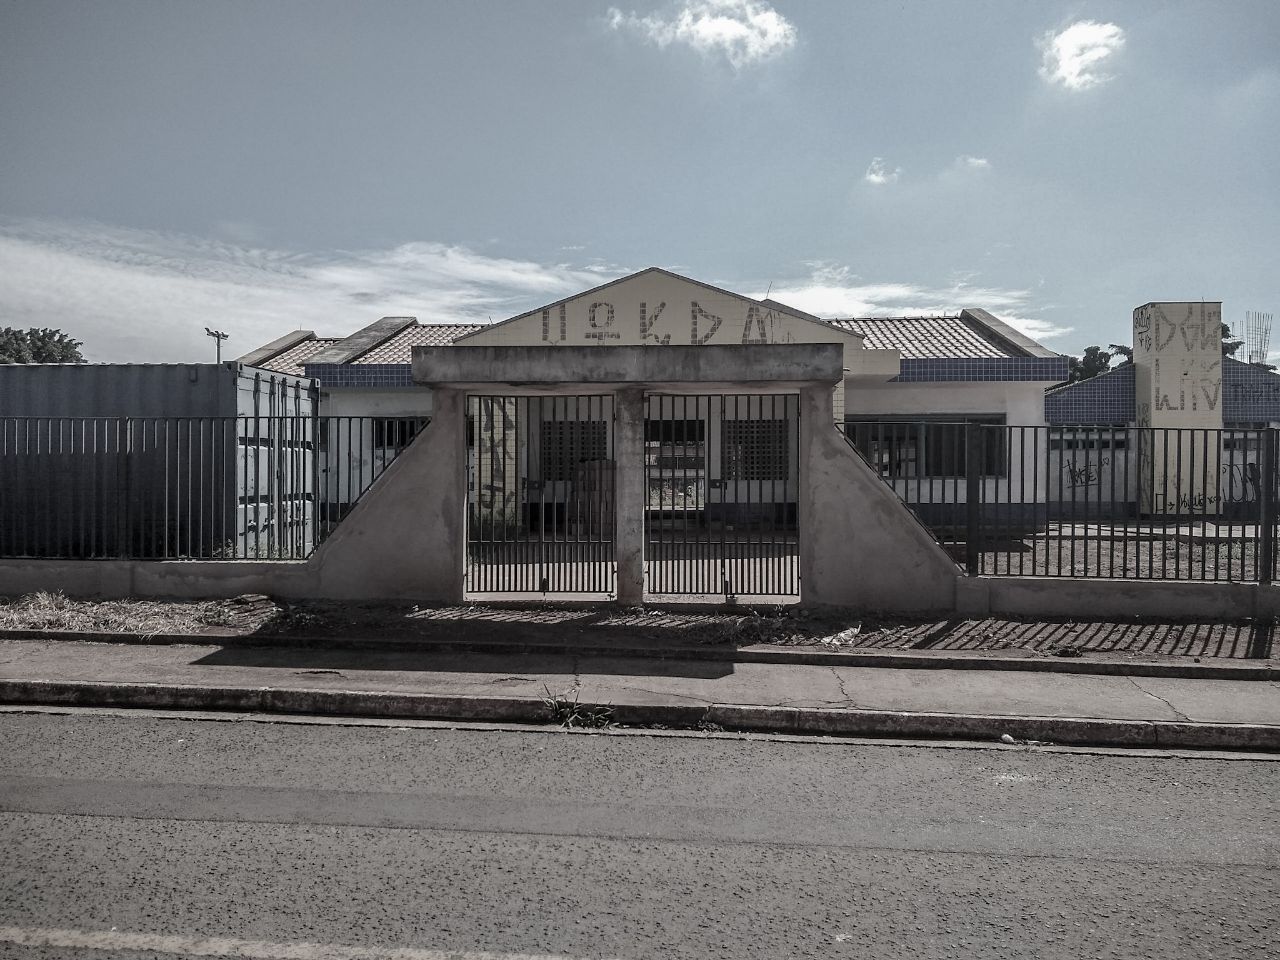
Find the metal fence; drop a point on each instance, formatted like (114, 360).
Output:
(1109, 502)
(540, 495)
(210, 488)
(722, 480)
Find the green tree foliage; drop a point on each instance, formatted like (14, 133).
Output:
(1094, 361)
(1230, 344)
(38, 345)
(1120, 350)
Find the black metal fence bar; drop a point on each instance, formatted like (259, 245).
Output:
(209, 488)
(1091, 501)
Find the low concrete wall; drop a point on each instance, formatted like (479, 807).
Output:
(860, 546)
(1113, 599)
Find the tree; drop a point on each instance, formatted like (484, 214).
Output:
(1120, 350)
(38, 345)
(1094, 361)
(1230, 344)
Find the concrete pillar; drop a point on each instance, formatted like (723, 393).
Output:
(444, 569)
(815, 415)
(628, 453)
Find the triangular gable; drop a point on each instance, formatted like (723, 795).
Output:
(656, 307)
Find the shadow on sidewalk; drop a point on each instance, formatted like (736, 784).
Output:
(353, 658)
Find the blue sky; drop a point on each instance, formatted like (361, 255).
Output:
(260, 167)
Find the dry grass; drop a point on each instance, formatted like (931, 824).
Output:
(53, 611)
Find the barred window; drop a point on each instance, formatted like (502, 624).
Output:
(925, 448)
(566, 443)
(397, 433)
(754, 450)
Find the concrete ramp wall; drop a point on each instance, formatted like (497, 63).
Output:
(860, 545)
(402, 541)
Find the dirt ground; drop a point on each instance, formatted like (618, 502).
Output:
(277, 621)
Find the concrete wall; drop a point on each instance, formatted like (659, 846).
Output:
(859, 546)
(1113, 599)
(384, 402)
(1177, 358)
(1019, 402)
(569, 369)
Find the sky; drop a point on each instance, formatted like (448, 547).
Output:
(263, 167)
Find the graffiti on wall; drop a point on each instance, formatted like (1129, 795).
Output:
(604, 323)
(1184, 352)
(1086, 474)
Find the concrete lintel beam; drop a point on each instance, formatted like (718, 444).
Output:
(768, 366)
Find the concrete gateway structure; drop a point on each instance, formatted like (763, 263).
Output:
(720, 459)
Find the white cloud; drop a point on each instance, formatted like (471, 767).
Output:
(832, 290)
(742, 31)
(1075, 56)
(879, 173)
(143, 296)
(973, 163)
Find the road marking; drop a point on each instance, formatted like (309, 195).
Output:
(241, 949)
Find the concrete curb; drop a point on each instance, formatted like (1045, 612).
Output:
(1075, 731)
(759, 653)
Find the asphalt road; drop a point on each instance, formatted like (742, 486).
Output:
(150, 837)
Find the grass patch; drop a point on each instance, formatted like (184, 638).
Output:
(52, 610)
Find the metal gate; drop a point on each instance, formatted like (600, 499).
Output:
(540, 495)
(722, 480)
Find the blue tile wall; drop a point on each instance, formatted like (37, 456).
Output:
(1249, 395)
(1101, 400)
(932, 369)
(361, 374)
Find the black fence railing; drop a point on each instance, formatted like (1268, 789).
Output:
(1108, 502)
(209, 488)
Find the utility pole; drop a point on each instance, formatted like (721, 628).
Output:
(219, 336)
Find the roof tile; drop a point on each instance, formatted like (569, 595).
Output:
(291, 360)
(399, 349)
(921, 338)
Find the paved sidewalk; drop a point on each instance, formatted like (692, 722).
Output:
(841, 699)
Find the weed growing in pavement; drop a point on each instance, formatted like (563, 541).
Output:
(568, 712)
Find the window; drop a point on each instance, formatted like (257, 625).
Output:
(754, 450)
(567, 443)
(929, 448)
(395, 434)
(675, 431)
(1088, 438)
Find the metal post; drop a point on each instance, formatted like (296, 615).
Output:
(973, 495)
(1266, 508)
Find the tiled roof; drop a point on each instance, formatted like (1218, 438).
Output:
(291, 360)
(399, 348)
(929, 338)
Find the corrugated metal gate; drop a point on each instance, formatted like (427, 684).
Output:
(722, 479)
(540, 495)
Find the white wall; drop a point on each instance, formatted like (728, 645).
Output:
(381, 402)
(1021, 403)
